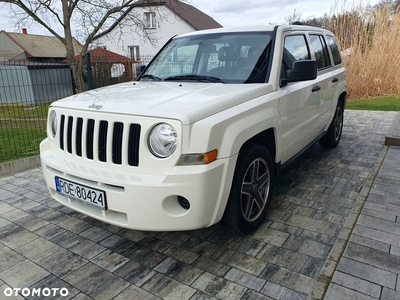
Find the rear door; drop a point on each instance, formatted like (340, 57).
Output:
(326, 79)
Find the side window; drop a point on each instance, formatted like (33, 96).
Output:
(321, 51)
(337, 59)
(294, 48)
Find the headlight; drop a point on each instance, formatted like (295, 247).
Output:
(53, 123)
(163, 140)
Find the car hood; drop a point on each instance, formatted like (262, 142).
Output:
(184, 101)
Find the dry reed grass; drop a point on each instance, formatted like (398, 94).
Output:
(370, 40)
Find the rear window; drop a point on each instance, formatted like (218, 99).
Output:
(335, 50)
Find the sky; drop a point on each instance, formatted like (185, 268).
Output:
(234, 13)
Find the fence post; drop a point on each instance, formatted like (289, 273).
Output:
(89, 71)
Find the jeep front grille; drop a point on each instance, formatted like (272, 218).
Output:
(77, 137)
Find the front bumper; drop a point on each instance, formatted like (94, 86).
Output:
(143, 201)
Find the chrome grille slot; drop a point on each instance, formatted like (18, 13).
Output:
(94, 139)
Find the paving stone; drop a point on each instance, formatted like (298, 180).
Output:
(23, 274)
(378, 235)
(87, 249)
(357, 284)
(270, 236)
(110, 261)
(211, 266)
(135, 273)
(49, 231)
(4, 222)
(373, 257)
(5, 208)
(37, 249)
(31, 223)
(168, 288)
(119, 245)
(175, 238)
(250, 246)
(243, 262)
(67, 239)
(371, 243)
(336, 292)
(202, 247)
(4, 289)
(154, 244)
(16, 237)
(53, 282)
(95, 234)
(287, 278)
(311, 224)
(379, 224)
(288, 259)
(367, 272)
(218, 287)
(245, 279)
(276, 291)
(62, 262)
(252, 295)
(96, 282)
(15, 214)
(9, 258)
(74, 225)
(380, 215)
(181, 254)
(307, 246)
(134, 292)
(202, 296)
(178, 270)
(147, 257)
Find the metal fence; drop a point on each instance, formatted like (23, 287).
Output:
(27, 89)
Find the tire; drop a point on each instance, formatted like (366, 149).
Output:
(251, 191)
(334, 133)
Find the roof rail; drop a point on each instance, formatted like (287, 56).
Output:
(304, 23)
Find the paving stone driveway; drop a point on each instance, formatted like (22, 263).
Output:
(45, 245)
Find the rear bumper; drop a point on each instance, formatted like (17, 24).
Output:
(143, 201)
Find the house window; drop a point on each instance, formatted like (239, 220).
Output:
(134, 52)
(150, 19)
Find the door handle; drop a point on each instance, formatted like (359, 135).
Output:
(335, 80)
(316, 88)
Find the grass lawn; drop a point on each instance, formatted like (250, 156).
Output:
(21, 130)
(386, 103)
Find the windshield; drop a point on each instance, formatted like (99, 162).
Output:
(222, 57)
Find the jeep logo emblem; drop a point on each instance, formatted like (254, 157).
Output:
(95, 106)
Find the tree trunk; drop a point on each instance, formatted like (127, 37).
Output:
(75, 65)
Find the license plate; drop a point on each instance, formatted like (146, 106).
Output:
(82, 193)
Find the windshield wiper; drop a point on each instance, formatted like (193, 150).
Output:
(150, 77)
(202, 78)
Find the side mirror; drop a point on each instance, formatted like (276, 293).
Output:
(302, 70)
(139, 70)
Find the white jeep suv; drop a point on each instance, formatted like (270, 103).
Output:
(203, 132)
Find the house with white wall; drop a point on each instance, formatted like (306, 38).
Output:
(159, 19)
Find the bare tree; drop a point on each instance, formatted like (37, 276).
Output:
(82, 18)
(293, 17)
